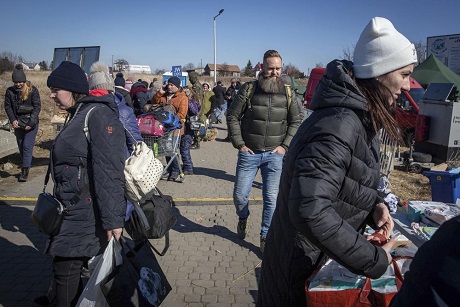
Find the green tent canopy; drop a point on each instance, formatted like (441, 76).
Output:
(434, 71)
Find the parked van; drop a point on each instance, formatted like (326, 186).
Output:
(407, 110)
(313, 80)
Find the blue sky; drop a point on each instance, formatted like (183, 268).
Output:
(176, 32)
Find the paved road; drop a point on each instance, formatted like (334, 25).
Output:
(207, 265)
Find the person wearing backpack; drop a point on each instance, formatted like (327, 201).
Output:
(88, 178)
(261, 123)
(100, 84)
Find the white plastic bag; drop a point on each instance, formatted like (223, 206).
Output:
(92, 295)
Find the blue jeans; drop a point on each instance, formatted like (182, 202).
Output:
(184, 149)
(26, 141)
(270, 165)
(220, 111)
(185, 144)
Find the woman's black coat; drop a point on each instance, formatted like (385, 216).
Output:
(98, 162)
(327, 191)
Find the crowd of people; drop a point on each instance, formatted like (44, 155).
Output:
(319, 180)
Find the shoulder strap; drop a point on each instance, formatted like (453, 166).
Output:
(288, 89)
(85, 127)
(250, 92)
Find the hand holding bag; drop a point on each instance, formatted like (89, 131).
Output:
(92, 294)
(139, 281)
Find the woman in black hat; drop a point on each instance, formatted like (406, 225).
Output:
(88, 178)
(22, 105)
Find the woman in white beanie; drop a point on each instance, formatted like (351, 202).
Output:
(328, 191)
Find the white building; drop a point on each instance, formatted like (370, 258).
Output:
(143, 69)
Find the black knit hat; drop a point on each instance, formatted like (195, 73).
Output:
(119, 80)
(69, 76)
(175, 81)
(18, 73)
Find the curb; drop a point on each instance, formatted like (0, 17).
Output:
(179, 201)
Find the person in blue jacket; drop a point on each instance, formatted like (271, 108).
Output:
(100, 84)
(88, 178)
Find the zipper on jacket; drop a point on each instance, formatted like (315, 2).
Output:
(268, 120)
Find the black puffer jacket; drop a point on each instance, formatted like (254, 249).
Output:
(327, 192)
(264, 121)
(99, 163)
(13, 101)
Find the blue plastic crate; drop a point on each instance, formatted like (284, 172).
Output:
(445, 185)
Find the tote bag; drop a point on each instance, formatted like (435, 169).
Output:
(142, 173)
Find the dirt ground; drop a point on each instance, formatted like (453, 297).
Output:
(407, 186)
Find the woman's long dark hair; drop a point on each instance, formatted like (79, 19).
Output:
(380, 110)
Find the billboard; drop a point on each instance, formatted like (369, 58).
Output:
(445, 48)
(82, 56)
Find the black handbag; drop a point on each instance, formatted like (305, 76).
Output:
(49, 212)
(153, 219)
(138, 281)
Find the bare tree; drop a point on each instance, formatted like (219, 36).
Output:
(120, 65)
(13, 58)
(188, 66)
(348, 53)
(420, 48)
(292, 71)
(160, 71)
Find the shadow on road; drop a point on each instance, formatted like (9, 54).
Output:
(23, 267)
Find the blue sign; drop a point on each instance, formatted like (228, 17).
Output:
(177, 71)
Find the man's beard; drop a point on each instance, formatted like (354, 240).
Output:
(271, 85)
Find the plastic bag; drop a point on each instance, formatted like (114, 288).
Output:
(92, 295)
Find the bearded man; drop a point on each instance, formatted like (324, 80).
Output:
(261, 123)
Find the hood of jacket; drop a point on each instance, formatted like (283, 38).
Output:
(338, 89)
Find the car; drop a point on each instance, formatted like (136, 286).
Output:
(407, 110)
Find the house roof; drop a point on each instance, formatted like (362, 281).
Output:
(30, 64)
(228, 67)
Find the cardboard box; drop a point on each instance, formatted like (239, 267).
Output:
(416, 208)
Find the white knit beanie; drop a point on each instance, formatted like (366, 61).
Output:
(381, 49)
(100, 78)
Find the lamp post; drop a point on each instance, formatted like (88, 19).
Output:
(215, 59)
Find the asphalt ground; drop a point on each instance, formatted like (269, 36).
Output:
(207, 264)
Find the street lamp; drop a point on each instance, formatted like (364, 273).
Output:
(215, 59)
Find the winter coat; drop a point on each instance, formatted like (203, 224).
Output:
(139, 96)
(206, 105)
(219, 90)
(433, 278)
(126, 96)
(98, 164)
(128, 119)
(264, 121)
(178, 100)
(327, 192)
(231, 92)
(13, 101)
